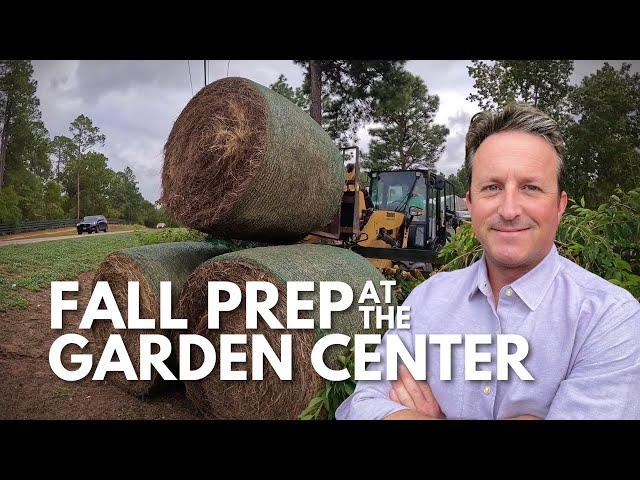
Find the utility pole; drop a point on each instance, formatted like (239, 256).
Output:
(315, 76)
(205, 73)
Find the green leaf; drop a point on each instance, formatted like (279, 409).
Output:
(349, 388)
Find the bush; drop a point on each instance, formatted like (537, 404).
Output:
(327, 400)
(606, 241)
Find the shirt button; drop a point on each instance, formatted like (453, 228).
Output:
(486, 390)
(509, 292)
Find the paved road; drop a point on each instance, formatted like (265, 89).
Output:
(4, 243)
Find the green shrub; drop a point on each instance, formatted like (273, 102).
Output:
(327, 400)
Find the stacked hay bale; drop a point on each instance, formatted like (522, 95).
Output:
(243, 162)
(272, 398)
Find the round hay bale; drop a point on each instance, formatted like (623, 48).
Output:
(242, 161)
(149, 265)
(271, 398)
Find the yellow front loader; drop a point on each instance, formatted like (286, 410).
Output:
(401, 220)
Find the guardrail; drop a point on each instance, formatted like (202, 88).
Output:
(47, 225)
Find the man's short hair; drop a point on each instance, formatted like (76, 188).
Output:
(515, 116)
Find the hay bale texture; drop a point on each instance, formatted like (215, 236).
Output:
(271, 398)
(149, 265)
(242, 161)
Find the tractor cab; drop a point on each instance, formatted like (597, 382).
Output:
(425, 199)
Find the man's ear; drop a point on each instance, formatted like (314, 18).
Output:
(562, 205)
(467, 199)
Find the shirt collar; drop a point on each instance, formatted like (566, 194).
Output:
(531, 287)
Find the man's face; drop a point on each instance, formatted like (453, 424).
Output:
(514, 203)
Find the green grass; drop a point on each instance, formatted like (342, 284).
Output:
(34, 266)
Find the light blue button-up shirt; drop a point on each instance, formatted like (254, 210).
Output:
(584, 346)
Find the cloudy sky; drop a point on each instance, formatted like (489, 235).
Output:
(134, 103)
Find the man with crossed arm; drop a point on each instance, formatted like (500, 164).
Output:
(583, 332)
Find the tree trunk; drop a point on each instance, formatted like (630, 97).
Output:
(316, 91)
(4, 140)
(403, 155)
(78, 183)
(58, 162)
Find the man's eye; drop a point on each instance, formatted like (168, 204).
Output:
(491, 188)
(531, 188)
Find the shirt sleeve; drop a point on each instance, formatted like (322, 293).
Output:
(604, 382)
(370, 400)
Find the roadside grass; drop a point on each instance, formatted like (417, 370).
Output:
(34, 266)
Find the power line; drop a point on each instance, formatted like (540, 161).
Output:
(190, 82)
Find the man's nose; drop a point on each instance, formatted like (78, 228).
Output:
(510, 206)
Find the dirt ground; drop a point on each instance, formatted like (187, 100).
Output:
(30, 390)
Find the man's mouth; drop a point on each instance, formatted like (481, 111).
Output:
(510, 231)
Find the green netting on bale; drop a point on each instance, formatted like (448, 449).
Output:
(317, 263)
(234, 244)
(173, 262)
(244, 162)
(273, 398)
(149, 265)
